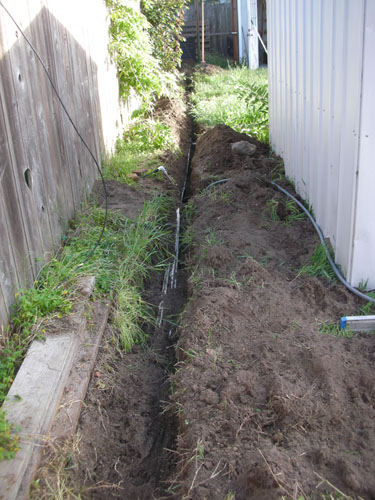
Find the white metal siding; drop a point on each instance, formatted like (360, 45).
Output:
(321, 64)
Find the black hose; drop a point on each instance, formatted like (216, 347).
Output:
(321, 237)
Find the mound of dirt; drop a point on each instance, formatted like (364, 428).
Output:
(214, 156)
(271, 403)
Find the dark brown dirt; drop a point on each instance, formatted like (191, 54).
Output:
(268, 406)
(253, 402)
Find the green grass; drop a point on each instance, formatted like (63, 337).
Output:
(127, 254)
(333, 329)
(140, 147)
(291, 212)
(236, 97)
(368, 309)
(319, 265)
(217, 59)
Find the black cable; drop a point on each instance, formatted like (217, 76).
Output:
(75, 129)
(320, 234)
(322, 240)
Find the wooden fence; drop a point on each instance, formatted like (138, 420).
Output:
(218, 28)
(45, 171)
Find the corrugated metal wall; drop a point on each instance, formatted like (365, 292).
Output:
(321, 76)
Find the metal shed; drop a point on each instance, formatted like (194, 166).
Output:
(322, 108)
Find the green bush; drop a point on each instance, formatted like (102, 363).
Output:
(145, 47)
(166, 22)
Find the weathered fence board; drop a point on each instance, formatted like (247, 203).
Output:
(218, 27)
(45, 170)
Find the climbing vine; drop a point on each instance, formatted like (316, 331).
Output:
(166, 21)
(145, 46)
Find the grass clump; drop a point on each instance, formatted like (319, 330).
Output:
(236, 97)
(368, 309)
(333, 329)
(285, 211)
(319, 265)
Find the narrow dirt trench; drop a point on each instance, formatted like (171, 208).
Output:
(127, 428)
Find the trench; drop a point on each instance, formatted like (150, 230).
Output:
(173, 295)
(129, 427)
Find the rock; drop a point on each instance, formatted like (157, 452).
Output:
(133, 176)
(141, 171)
(243, 148)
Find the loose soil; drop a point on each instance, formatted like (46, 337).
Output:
(251, 401)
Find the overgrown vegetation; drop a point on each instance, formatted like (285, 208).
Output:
(236, 97)
(165, 26)
(126, 255)
(145, 47)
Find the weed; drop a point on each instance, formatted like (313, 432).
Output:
(187, 238)
(319, 265)
(278, 172)
(190, 211)
(329, 328)
(190, 353)
(217, 59)
(198, 455)
(368, 309)
(293, 212)
(8, 442)
(212, 239)
(247, 256)
(272, 206)
(290, 211)
(217, 194)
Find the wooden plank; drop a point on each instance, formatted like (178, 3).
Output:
(34, 397)
(66, 419)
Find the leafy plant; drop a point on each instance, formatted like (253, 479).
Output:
(8, 442)
(166, 22)
(132, 49)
